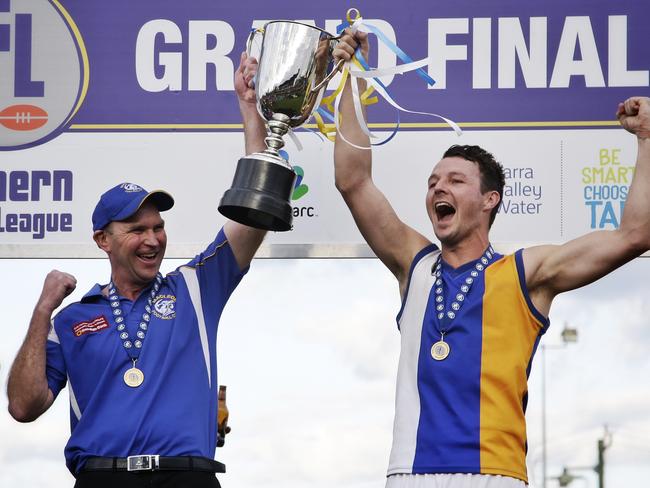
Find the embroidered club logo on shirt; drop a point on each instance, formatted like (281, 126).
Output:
(94, 325)
(164, 307)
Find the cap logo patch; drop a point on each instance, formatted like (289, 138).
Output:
(164, 307)
(131, 187)
(93, 325)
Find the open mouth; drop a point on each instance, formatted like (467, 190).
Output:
(444, 210)
(149, 257)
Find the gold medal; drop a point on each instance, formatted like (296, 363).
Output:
(133, 377)
(440, 350)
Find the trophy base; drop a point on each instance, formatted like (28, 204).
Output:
(260, 193)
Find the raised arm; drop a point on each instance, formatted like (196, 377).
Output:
(27, 388)
(554, 269)
(244, 241)
(395, 243)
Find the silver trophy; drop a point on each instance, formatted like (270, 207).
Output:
(295, 64)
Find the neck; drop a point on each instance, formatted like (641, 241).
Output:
(457, 254)
(128, 290)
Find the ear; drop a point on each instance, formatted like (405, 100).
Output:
(490, 200)
(101, 238)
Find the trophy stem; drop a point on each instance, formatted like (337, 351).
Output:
(278, 127)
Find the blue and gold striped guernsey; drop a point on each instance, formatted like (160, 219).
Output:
(465, 414)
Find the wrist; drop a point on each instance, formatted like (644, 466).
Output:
(250, 116)
(43, 311)
(247, 108)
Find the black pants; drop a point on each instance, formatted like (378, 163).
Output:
(155, 479)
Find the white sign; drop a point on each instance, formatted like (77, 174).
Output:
(560, 184)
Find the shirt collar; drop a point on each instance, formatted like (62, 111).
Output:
(94, 294)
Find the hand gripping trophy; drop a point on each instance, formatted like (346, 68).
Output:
(295, 65)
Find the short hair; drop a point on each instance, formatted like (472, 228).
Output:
(492, 175)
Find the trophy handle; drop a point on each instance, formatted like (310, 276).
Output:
(351, 15)
(326, 80)
(251, 38)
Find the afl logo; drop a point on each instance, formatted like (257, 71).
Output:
(164, 307)
(23, 117)
(44, 57)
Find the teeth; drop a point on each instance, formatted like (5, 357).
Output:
(444, 209)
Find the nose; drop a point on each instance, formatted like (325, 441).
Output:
(439, 187)
(151, 238)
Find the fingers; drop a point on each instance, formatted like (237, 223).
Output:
(344, 50)
(71, 283)
(349, 43)
(57, 286)
(242, 60)
(362, 37)
(632, 106)
(64, 281)
(248, 69)
(346, 46)
(634, 115)
(628, 108)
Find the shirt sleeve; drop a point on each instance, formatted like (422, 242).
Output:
(55, 369)
(216, 274)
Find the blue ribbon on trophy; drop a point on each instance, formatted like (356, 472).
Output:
(358, 67)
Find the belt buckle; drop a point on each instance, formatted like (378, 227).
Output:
(144, 462)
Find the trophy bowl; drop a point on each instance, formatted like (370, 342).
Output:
(295, 65)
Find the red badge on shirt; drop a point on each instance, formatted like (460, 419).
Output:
(94, 325)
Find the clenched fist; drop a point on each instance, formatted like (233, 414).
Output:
(57, 286)
(634, 116)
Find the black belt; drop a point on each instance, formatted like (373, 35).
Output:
(149, 462)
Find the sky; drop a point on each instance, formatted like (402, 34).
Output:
(308, 350)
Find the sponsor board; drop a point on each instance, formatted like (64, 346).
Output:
(98, 93)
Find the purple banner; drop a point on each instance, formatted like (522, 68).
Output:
(168, 65)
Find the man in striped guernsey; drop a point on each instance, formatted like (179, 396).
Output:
(471, 319)
(139, 354)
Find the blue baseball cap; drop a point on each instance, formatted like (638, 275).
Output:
(125, 199)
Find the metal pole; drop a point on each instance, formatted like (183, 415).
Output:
(544, 416)
(569, 335)
(600, 468)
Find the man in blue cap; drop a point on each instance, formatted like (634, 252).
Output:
(139, 353)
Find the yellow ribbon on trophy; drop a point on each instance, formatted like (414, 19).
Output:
(357, 67)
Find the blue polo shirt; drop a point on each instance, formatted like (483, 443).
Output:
(174, 412)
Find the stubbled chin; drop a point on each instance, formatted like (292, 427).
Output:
(149, 267)
(445, 221)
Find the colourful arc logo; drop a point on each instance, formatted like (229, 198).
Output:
(299, 190)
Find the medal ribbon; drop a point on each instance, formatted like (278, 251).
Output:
(132, 348)
(447, 316)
